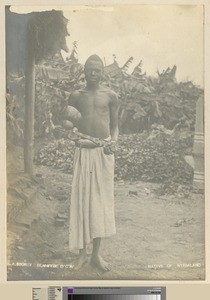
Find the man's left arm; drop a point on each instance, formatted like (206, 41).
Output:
(114, 131)
(114, 108)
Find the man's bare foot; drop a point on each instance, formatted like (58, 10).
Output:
(80, 261)
(100, 263)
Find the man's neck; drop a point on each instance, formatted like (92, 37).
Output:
(92, 87)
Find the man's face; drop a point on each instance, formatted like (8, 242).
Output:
(93, 72)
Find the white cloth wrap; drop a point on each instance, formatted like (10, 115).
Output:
(92, 198)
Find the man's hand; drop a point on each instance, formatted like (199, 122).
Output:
(110, 148)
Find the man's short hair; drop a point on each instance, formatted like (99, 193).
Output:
(96, 58)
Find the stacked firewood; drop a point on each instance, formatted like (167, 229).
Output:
(156, 156)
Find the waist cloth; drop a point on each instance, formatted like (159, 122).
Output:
(92, 197)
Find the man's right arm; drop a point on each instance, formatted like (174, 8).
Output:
(72, 101)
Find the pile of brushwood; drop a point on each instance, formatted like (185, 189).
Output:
(155, 156)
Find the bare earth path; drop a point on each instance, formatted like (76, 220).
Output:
(158, 238)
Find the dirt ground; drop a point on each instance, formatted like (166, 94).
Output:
(158, 237)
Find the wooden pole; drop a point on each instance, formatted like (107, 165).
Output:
(29, 111)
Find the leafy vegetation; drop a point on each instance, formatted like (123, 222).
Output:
(144, 100)
(157, 117)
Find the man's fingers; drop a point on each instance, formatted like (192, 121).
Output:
(108, 150)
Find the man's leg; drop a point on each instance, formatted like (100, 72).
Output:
(83, 257)
(96, 259)
(81, 260)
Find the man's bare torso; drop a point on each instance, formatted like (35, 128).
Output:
(94, 106)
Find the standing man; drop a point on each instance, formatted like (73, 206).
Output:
(92, 199)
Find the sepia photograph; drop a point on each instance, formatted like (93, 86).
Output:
(105, 142)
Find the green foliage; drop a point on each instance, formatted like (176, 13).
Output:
(15, 108)
(52, 94)
(144, 100)
(14, 123)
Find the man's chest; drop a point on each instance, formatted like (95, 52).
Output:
(93, 103)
